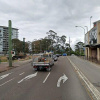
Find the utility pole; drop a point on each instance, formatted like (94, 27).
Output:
(34, 48)
(40, 46)
(10, 42)
(24, 46)
(46, 46)
(69, 47)
(90, 22)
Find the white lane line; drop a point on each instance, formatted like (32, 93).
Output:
(7, 81)
(28, 77)
(4, 76)
(64, 78)
(22, 73)
(91, 88)
(46, 78)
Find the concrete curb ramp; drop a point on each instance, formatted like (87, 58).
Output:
(95, 94)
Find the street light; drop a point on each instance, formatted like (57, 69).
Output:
(24, 46)
(84, 31)
(46, 45)
(90, 21)
(34, 48)
(87, 28)
(81, 27)
(84, 36)
(40, 44)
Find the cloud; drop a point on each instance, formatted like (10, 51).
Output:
(34, 18)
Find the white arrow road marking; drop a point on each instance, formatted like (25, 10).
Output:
(28, 77)
(22, 73)
(3, 76)
(46, 78)
(64, 78)
(7, 82)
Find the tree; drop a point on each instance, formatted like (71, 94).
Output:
(79, 48)
(18, 46)
(52, 42)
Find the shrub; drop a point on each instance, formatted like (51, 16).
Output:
(3, 59)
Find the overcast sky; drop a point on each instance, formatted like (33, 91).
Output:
(34, 18)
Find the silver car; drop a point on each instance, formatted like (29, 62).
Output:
(55, 58)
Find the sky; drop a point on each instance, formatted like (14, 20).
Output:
(34, 18)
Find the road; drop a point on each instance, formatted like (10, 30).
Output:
(22, 83)
(90, 70)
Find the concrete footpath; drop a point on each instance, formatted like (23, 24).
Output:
(5, 65)
(89, 69)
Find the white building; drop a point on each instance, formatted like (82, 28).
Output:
(4, 37)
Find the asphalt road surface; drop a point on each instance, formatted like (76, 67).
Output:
(90, 70)
(23, 83)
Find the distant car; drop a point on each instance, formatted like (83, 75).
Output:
(57, 55)
(55, 58)
(72, 54)
(60, 54)
(64, 54)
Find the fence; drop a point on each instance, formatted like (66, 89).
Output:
(92, 59)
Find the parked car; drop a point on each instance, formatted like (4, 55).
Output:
(60, 54)
(55, 57)
(64, 54)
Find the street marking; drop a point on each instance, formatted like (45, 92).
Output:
(4, 76)
(28, 77)
(64, 78)
(46, 78)
(92, 90)
(22, 73)
(7, 81)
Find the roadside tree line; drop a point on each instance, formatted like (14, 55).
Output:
(52, 42)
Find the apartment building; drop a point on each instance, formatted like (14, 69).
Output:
(92, 42)
(4, 37)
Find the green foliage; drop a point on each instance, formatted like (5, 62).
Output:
(79, 48)
(51, 42)
(18, 46)
(3, 59)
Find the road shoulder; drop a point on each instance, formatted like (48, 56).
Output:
(93, 92)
